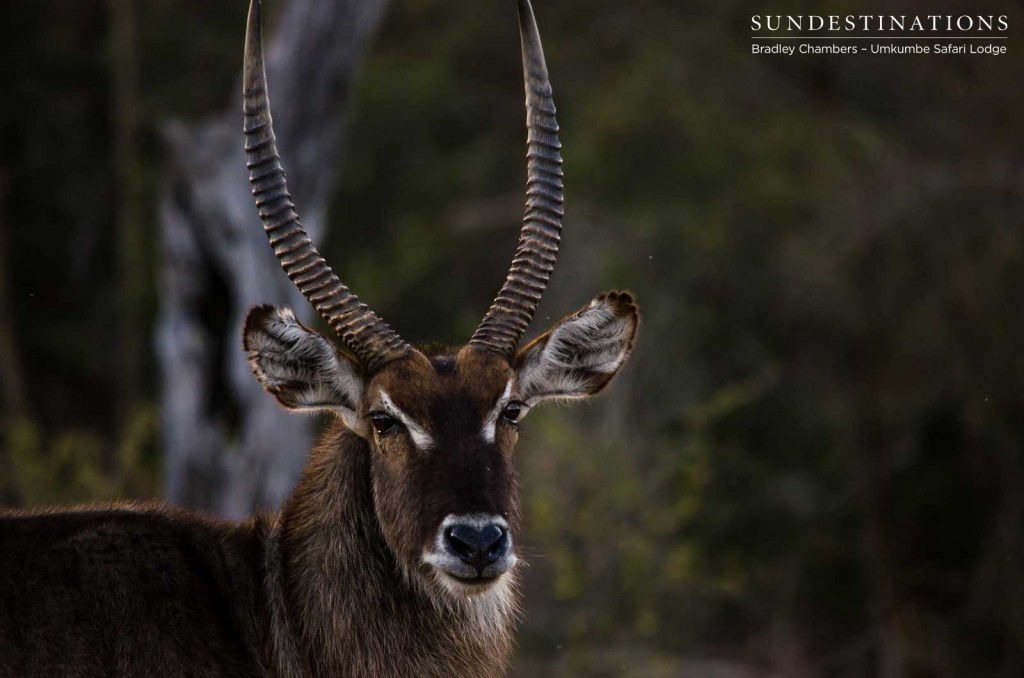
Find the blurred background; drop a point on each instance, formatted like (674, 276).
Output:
(813, 464)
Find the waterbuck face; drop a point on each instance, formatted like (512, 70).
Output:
(442, 427)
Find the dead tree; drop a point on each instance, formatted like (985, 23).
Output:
(227, 448)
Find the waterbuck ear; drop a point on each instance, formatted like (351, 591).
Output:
(300, 367)
(579, 356)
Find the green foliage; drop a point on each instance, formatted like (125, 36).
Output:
(74, 466)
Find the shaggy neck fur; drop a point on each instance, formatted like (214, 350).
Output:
(343, 606)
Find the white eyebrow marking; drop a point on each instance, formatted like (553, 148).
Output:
(419, 435)
(491, 422)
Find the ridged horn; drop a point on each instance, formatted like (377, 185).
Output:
(511, 312)
(369, 338)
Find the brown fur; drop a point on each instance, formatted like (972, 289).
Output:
(134, 590)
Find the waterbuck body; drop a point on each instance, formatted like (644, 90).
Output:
(396, 553)
(150, 591)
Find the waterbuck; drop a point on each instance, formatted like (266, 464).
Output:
(395, 556)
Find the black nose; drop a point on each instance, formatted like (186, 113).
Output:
(477, 546)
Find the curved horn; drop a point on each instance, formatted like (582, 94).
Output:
(372, 341)
(510, 313)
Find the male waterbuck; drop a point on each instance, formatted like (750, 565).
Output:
(396, 555)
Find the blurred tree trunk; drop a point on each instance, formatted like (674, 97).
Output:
(130, 212)
(228, 448)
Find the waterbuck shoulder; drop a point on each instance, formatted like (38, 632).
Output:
(130, 589)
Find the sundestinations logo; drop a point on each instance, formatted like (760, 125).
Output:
(967, 34)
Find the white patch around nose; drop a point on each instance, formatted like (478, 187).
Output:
(438, 555)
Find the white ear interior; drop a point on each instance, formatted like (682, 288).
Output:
(301, 368)
(579, 355)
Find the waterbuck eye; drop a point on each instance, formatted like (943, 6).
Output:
(511, 412)
(383, 423)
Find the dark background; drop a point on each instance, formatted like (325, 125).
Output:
(812, 465)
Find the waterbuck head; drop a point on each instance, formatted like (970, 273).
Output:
(440, 427)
